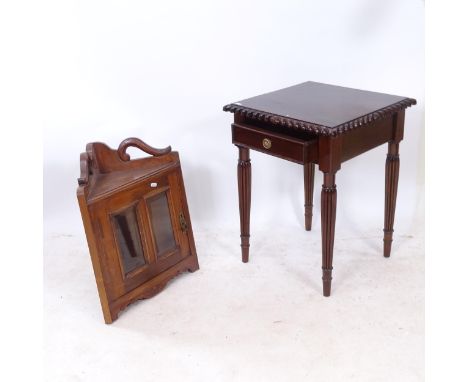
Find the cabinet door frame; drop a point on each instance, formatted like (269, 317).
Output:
(121, 282)
(148, 255)
(138, 197)
(160, 260)
(181, 248)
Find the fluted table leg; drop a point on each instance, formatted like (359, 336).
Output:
(328, 229)
(392, 168)
(244, 176)
(309, 172)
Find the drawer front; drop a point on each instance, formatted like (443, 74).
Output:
(280, 145)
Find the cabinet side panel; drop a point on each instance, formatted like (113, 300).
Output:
(94, 253)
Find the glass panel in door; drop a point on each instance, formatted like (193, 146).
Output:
(128, 239)
(161, 223)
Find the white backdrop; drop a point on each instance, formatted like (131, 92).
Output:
(162, 71)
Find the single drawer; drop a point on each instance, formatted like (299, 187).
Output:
(280, 145)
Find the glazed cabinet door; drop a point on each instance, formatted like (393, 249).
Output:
(167, 227)
(128, 231)
(144, 232)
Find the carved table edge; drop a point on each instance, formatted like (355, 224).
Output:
(292, 123)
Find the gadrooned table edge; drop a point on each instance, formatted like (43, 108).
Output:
(292, 123)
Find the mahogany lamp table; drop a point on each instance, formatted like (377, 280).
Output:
(314, 123)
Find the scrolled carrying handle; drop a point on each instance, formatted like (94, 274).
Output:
(138, 143)
(84, 169)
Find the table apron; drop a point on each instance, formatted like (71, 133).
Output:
(358, 141)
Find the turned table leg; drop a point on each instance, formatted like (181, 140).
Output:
(392, 168)
(309, 170)
(328, 229)
(244, 177)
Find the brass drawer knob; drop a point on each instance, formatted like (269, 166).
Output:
(266, 143)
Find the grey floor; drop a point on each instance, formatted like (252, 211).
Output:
(229, 321)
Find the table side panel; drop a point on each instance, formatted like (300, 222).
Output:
(356, 142)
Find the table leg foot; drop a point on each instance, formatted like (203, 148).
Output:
(308, 218)
(387, 242)
(326, 279)
(245, 245)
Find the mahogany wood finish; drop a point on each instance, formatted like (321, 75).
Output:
(313, 123)
(280, 145)
(392, 167)
(136, 221)
(136, 142)
(244, 177)
(309, 174)
(328, 229)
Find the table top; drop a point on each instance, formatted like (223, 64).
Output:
(320, 108)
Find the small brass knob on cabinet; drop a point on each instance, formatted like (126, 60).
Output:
(266, 143)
